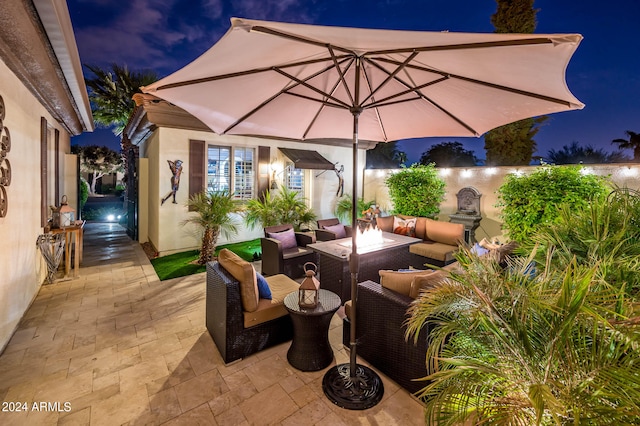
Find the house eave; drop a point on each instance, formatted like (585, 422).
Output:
(50, 67)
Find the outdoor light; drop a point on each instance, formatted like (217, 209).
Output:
(308, 291)
(111, 218)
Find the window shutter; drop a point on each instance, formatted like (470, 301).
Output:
(264, 160)
(197, 168)
(44, 196)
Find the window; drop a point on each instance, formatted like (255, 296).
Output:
(294, 179)
(221, 176)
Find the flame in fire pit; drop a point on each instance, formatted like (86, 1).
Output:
(370, 237)
(367, 239)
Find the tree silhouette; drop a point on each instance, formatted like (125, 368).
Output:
(576, 154)
(111, 92)
(385, 155)
(448, 154)
(633, 143)
(513, 144)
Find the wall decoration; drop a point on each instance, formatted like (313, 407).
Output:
(5, 166)
(339, 172)
(176, 171)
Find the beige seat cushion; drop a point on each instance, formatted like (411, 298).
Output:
(432, 250)
(280, 285)
(400, 282)
(444, 232)
(242, 271)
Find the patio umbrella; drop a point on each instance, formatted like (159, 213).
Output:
(305, 82)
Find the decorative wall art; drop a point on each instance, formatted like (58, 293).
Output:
(176, 171)
(5, 166)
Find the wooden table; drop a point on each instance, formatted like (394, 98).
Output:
(73, 236)
(310, 348)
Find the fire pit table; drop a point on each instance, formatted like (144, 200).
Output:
(392, 252)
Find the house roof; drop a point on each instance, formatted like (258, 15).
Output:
(152, 112)
(38, 45)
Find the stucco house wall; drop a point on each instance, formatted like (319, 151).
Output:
(487, 180)
(33, 93)
(165, 228)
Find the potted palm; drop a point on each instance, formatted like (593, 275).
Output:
(214, 215)
(285, 207)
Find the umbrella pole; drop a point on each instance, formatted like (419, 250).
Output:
(353, 386)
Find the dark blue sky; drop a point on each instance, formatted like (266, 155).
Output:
(165, 35)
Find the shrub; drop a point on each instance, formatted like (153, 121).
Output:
(416, 191)
(532, 200)
(84, 192)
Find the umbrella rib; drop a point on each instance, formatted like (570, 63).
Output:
(317, 114)
(243, 73)
(310, 87)
(423, 96)
(340, 73)
(479, 45)
(391, 75)
(286, 90)
(383, 101)
(377, 111)
(270, 31)
(483, 83)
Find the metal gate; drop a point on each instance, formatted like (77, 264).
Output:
(132, 193)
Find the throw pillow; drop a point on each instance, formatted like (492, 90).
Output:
(479, 250)
(404, 226)
(245, 274)
(338, 230)
(287, 238)
(263, 287)
(400, 282)
(424, 282)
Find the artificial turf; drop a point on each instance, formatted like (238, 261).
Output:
(181, 264)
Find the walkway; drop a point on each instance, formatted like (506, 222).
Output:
(116, 346)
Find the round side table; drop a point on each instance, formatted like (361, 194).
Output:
(310, 349)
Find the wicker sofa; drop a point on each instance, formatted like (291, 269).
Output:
(440, 239)
(239, 321)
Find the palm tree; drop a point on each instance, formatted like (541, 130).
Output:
(214, 211)
(111, 93)
(633, 143)
(510, 347)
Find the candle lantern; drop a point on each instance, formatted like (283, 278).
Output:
(62, 216)
(308, 292)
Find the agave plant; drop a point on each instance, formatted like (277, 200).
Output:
(213, 215)
(508, 346)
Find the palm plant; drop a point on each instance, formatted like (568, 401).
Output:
(261, 212)
(344, 207)
(292, 208)
(285, 207)
(213, 215)
(111, 92)
(633, 143)
(607, 231)
(507, 347)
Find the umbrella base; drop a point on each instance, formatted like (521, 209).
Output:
(360, 392)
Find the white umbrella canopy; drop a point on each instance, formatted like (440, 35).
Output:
(296, 81)
(304, 82)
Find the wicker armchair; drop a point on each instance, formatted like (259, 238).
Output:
(225, 321)
(380, 336)
(323, 234)
(276, 259)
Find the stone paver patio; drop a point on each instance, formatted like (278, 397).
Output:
(117, 346)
